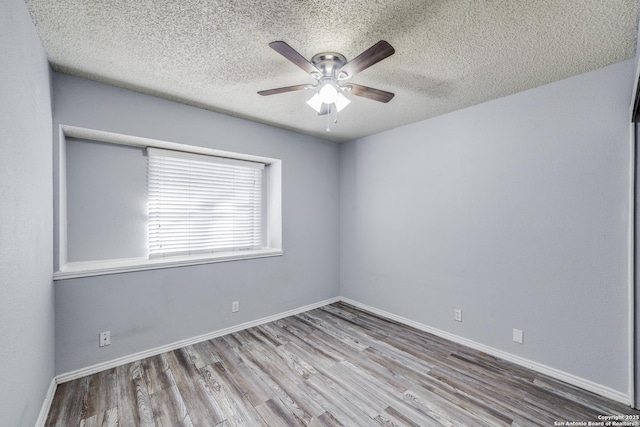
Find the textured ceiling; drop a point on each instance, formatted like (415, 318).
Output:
(449, 54)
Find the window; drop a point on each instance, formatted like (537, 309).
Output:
(200, 204)
(125, 203)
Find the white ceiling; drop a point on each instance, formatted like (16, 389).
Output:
(449, 55)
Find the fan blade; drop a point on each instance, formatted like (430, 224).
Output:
(284, 89)
(292, 55)
(366, 59)
(369, 92)
(325, 109)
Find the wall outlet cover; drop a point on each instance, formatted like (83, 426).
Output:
(105, 338)
(518, 336)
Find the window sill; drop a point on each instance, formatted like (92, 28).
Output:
(99, 268)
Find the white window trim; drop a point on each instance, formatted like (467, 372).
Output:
(67, 270)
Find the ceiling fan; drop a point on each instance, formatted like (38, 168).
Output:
(331, 69)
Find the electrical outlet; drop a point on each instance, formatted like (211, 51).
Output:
(105, 338)
(235, 306)
(457, 315)
(518, 336)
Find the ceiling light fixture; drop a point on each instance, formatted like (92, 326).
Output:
(329, 93)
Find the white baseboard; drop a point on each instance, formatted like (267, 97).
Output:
(69, 376)
(585, 384)
(538, 367)
(46, 405)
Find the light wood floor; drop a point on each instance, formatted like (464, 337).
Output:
(331, 366)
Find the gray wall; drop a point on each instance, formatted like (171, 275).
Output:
(26, 247)
(106, 201)
(515, 211)
(148, 309)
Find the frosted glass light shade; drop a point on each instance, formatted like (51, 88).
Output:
(315, 102)
(341, 102)
(328, 94)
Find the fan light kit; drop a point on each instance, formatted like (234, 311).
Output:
(331, 69)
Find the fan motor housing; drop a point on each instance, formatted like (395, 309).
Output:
(328, 63)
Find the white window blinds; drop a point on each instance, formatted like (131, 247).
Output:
(200, 203)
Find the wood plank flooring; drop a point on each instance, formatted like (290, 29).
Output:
(333, 366)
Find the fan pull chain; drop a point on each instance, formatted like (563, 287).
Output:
(335, 119)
